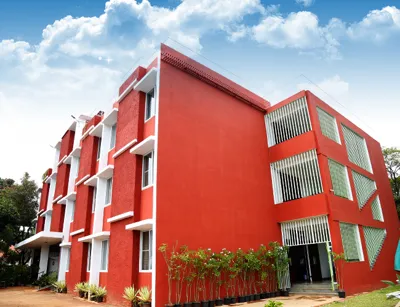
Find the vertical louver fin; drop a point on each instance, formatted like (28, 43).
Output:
(377, 209)
(296, 177)
(306, 231)
(365, 187)
(288, 122)
(351, 242)
(340, 179)
(374, 239)
(356, 149)
(328, 125)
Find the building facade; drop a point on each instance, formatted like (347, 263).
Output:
(187, 155)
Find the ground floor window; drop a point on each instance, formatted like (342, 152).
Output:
(104, 255)
(351, 242)
(89, 257)
(146, 240)
(68, 255)
(374, 238)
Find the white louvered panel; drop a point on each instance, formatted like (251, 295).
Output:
(296, 177)
(288, 122)
(306, 231)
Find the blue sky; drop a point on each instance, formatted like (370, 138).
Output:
(59, 58)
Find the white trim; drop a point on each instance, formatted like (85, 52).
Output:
(57, 198)
(150, 251)
(76, 152)
(150, 171)
(82, 179)
(76, 232)
(123, 149)
(106, 172)
(45, 179)
(58, 144)
(103, 235)
(68, 160)
(111, 118)
(92, 181)
(152, 106)
(43, 235)
(143, 225)
(70, 196)
(65, 244)
(87, 132)
(126, 91)
(144, 147)
(46, 212)
(360, 249)
(97, 130)
(40, 212)
(148, 82)
(53, 175)
(62, 160)
(121, 216)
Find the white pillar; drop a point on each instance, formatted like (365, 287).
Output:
(100, 202)
(44, 259)
(105, 146)
(95, 262)
(63, 263)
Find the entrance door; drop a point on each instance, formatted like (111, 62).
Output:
(298, 264)
(315, 262)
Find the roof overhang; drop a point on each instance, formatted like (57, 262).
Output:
(70, 196)
(97, 131)
(41, 238)
(111, 118)
(143, 225)
(148, 82)
(106, 172)
(92, 181)
(144, 147)
(98, 236)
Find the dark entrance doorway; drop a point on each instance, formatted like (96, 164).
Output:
(308, 263)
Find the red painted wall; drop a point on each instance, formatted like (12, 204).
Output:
(212, 166)
(348, 211)
(43, 204)
(78, 262)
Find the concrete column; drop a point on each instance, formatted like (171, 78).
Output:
(105, 146)
(96, 262)
(44, 259)
(63, 263)
(100, 202)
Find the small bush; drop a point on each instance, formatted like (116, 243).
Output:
(130, 294)
(46, 280)
(60, 287)
(273, 304)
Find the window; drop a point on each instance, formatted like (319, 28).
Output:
(340, 179)
(365, 187)
(150, 105)
(72, 211)
(98, 148)
(351, 242)
(89, 257)
(113, 136)
(288, 122)
(328, 125)
(104, 255)
(109, 191)
(147, 170)
(78, 160)
(296, 177)
(374, 239)
(146, 254)
(68, 255)
(356, 149)
(94, 199)
(377, 209)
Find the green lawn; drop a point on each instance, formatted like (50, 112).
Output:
(373, 299)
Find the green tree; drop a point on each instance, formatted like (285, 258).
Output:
(18, 207)
(391, 156)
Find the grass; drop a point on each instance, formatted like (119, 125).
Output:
(373, 299)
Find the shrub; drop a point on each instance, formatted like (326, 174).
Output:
(130, 294)
(100, 292)
(82, 288)
(60, 287)
(144, 295)
(273, 304)
(46, 280)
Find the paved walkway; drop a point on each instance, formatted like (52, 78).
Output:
(298, 301)
(29, 297)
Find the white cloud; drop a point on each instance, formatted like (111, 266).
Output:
(305, 3)
(377, 25)
(334, 86)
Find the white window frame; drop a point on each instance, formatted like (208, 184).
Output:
(113, 138)
(107, 256)
(94, 199)
(348, 184)
(89, 257)
(150, 251)
(339, 141)
(359, 244)
(151, 104)
(109, 187)
(98, 149)
(150, 171)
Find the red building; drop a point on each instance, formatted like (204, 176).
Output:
(187, 155)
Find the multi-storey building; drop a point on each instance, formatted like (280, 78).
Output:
(187, 155)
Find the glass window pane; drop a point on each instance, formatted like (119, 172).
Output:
(94, 199)
(72, 211)
(149, 112)
(113, 136)
(89, 257)
(108, 191)
(98, 148)
(104, 255)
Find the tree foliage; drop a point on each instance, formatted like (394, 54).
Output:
(391, 156)
(18, 207)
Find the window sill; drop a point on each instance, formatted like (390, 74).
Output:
(145, 271)
(147, 187)
(103, 271)
(146, 120)
(109, 204)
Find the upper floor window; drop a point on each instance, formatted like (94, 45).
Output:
(78, 160)
(328, 125)
(113, 136)
(365, 188)
(72, 211)
(94, 199)
(98, 148)
(377, 209)
(356, 149)
(351, 242)
(109, 191)
(296, 177)
(150, 105)
(68, 256)
(288, 122)
(374, 239)
(146, 240)
(340, 179)
(147, 170)
(104, 255)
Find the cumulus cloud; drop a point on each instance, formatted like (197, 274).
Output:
(377, 25)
